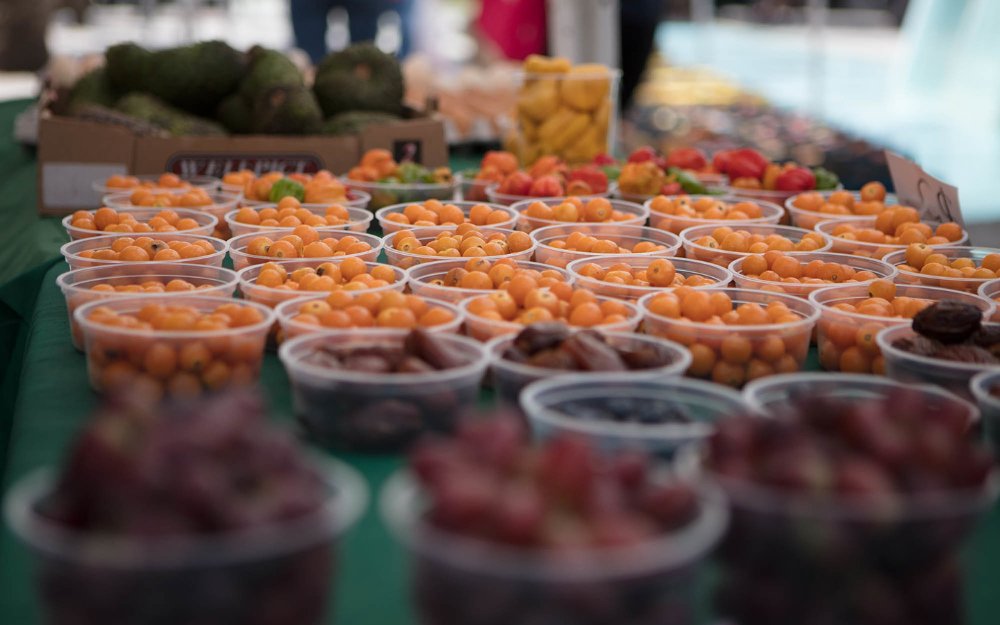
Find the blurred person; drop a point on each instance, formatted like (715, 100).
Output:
(309, 22)
(23, 24)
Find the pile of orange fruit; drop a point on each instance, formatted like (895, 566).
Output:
(437, 213)
(305, 242)
(109, 220)
(575, 210)
(463, 241)
(140, 249)
(388, 309)
(289, 214)
(659, 273)
(350, 274)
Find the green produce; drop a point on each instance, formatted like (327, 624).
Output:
(129, 67)
(689, 183)
(104, 115)
(286, 111)
(269, 69)
(197, 77)
(826, 180)
(287, 187)
(175, 121)
(235, 114)
(92, 88)
(359, 78)
(354, 121)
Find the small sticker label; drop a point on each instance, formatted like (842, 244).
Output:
(71, 185)
(218, 165)
(937, 201)
(408, 150)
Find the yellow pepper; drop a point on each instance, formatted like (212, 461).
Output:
(538, 100)
(585, 87)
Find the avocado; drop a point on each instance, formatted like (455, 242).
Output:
(151, 109)
(359, 78)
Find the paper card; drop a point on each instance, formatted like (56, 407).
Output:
(937, 201)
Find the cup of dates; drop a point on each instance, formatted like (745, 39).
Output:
(615, 412)
(378, 389)
(503, 533)
(849, 507)
(185, 515)
(543, 350)
(947, 344)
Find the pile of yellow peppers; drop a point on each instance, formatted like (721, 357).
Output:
(563, 110)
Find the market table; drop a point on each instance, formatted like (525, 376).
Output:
(55, 399)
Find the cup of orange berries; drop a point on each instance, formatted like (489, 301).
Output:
(814, 207)
(114, 281)
(366, 309)
(678, 212)
(734, 335)
(303, 242)
(852, 315)
(538, 213)
(289, 214)
(560, 245)
(275, 282)
(106, 220)
(724, 244)
(195, 198)
(410, 247)
(178, 347)
(166, 247)
(436, 213)
(508, 311)
(892, 230)
(959, 268)
(631, 277)
(167, 181)
(455, 280)
(800, 273)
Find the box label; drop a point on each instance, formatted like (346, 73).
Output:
(70, 185)
(218, 165)
(936, 201)
(408, 150)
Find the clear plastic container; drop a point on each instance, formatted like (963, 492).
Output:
(637, 214)
(841, 332)
(770, 214)
(869, 250)
(285, 570)
(722, 257)
(483, 329)
(71, 251)
(969, 285)
(719, 276)
(355, 198)
(510, 377)
(736, 354)
(422, 279)
(208, 183)
(455, 576)
(379, 412)
(206, 223)
(470, 189)
(238, 246)
(77, 285)
(358, 220)
(991, 291)
(624, 236)
(508, 199)
(714, 183)
(221, 204)
(168, 362)
(271, 296)
(572, 115)
(808, 219)
(675, 412)
(796, 546)
(388, 226)
(388, 193)
(881, 269)
(982, 387)
(909, 367)
(292, 328)
(407, 260)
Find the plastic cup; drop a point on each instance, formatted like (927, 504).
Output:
(77, 285)
(456, 576)
(494, 195)
(715, 183)
(483, 329)
(388, 193)
(354, 198)
(719, 276)
(770, 214)
(208, 183)
(510, 377)
(991, 291)
(470, 189)
(241, 259)
(624, 236)
(388, 226)
(809, 219)
(969, 285)
(909, 367)
(158, 360)
(285, 569)
(846, 340)
(292, 327)
(636, 214)
(735, 354)
(881, 269)
(71, 251)
(358, 220)
(982, 387)
(422, 279)
(206, 223)
(407, 260)
(869, 250)
(378, 412)
(724, 258)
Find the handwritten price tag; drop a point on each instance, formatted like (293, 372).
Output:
(937, 201)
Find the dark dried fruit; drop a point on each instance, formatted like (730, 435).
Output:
(966, 353)
(987, 336)
(539, 336)
(433, 349)
(948, 321)
(555, 346)
(592, 353)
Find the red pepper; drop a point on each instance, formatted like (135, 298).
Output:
(603, 159)
(795, 179)
(594, 177)
(672, 188)
(746, 163)
(686, 158)
(641, 155)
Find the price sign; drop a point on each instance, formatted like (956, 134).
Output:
(937, 201)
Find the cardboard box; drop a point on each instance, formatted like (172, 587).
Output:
(73, 153)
